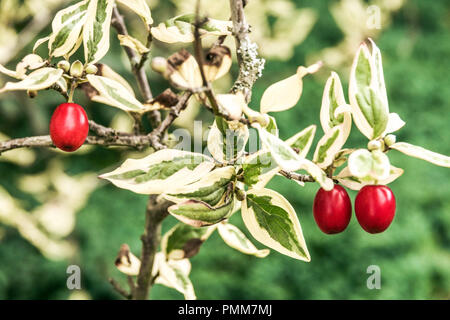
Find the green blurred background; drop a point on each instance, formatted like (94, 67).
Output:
(49, 193)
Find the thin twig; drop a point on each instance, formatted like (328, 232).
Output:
(297, 176)
(137, 66)
(119, 289)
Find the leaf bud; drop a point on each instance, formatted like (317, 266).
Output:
(374, 145)
(159, 64)
(64, 65)
(91, 69)
(390, 139)
(76, 69)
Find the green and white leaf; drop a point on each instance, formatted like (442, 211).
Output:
(272, 127)
(141, 8)
(211, 188)
(335, 111)
(302, 140)
(271, 220)
(286, 158)
(228, 146)
(66, 29)
(184, 241)
(161, 172)
(133, 43)
(174, 274)
(421, 153)
(96, 30)
(367, 93)
(259, 168)
(181, 29)
(328, 146)
(37, 80)
(346, 178)
(200, 214)
(236, 239)
(364, 164)
(114, 94)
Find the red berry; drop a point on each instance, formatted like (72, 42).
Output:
(375, 208)
(332, 210)
(69, 126)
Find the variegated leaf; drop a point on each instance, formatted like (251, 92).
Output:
(37, 80)
(271, 220)
(228, 146)
(114, 94)
(272, 127)
(174, 274)
(335, 111)
(211, 189)
(302, 141)
(346, 178)
(184, 241)
(96, 29)
(421, 153)
(161, 172)
(259, 168)
(286, 158)
(181, 29)
(200, 214)
(328, 146)
(105, 71)
(285, 94)
(141, 8)
(367, 92)
(67, 26)
(133, 43)
(369, 165)
(236, 239)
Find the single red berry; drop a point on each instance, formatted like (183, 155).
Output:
(375, 208)
(69, 126)
(332, 210)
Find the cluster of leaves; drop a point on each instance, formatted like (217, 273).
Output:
(208, 189)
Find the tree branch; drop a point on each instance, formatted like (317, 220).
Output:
(155, 214)
(250, 66)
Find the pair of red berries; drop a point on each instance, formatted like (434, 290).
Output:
(69, 127)
(374, 209)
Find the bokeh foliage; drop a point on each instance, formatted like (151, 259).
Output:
(413, 254)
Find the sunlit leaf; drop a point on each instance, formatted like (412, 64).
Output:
(271, 220)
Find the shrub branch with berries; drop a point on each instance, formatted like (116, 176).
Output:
(203, 190)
